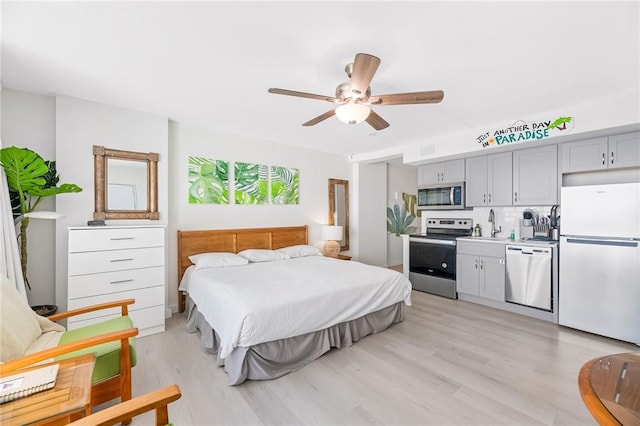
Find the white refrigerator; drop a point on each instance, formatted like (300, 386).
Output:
(599, 279)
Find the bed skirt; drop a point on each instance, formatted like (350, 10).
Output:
(274, 359)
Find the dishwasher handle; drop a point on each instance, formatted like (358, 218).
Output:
(528, 250)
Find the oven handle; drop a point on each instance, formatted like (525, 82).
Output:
(432, 241)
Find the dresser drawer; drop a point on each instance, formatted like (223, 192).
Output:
(116, 260)
(111, 282)
(145, 298)
(148, 320)
(100, 239)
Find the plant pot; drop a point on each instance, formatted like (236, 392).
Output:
(45, 310)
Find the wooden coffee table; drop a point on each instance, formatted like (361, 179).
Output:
(68, 400)
(610, 388)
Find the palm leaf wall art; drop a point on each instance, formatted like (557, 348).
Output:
(208, 181)
(285, 185)
(250, 183)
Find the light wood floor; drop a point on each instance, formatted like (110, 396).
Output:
(450, 362)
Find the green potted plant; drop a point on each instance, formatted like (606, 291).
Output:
(30, 179)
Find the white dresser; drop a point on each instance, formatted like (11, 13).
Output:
(118, 262)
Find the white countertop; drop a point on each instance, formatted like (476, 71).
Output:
(499, 240)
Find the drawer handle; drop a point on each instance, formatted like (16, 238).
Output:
(120, 260)
(122, 238)
(120, 281)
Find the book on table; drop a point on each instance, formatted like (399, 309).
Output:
(28, 382)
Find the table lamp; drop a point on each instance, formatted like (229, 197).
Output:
(332, 234)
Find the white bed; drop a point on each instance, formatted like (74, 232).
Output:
(269, 318)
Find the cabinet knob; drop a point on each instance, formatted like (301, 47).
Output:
(516, 196)
(476, 264)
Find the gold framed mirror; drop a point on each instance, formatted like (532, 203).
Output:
(339, 208)
(126, 184)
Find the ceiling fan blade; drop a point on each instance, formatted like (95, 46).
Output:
(302, 95)
(431, 97)
(376, 121)
(320, 118)
(364, 67)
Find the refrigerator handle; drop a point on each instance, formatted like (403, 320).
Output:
(603, 242)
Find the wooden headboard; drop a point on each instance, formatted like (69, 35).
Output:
(233, 241)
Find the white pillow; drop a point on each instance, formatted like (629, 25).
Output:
(216, 260)
(301, 250)
(263, 255)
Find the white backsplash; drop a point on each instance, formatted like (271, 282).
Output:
(506, 217)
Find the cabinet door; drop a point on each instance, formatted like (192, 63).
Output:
(584, 155)
(535, 176)
(492, 273)
(467, 274)
(499, 179)
(624, 150)
(476, 181)
(453, 171)
(429, 174)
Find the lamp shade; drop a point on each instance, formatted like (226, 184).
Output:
(332, 233)
(352, 113)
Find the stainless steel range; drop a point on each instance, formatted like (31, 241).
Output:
(432, 256)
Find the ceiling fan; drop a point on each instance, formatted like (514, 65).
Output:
(354, 98)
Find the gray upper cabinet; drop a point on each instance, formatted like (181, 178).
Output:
(445, 172)
(535, 176)
(489, 180)
(601, 153)
(624, 150)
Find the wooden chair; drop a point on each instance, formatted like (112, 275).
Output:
(156, 400)
(112, 341)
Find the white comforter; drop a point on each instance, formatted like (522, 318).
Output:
(262, 302)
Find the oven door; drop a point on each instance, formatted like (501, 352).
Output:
(433, 257)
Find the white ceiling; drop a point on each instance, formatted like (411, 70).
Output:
(211, 63)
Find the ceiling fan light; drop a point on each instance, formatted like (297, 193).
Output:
(352, 113)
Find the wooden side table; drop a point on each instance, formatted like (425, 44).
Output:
(610, 388)
(68, 400)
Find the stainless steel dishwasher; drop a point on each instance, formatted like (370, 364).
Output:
(529, 276)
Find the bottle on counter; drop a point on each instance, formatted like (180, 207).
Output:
(477, 232)
(512, 237)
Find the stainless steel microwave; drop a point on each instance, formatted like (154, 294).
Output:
(448, 196)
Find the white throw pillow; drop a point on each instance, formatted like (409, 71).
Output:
(301, 250)
(20, 327)
(216, 260)
(263, 255)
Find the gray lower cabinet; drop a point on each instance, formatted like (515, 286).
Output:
(535, 176)
(610, 152)
(489, 180)
(480, 269)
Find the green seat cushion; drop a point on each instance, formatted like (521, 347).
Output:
(107, 354)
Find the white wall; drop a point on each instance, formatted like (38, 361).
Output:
(315, 169)
(594, 115)
(80, 125)
(28, 121)
(400, 178)
(371, 198)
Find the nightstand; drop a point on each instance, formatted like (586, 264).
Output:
(343, 257)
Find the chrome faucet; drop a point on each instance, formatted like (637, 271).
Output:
(492, 221)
